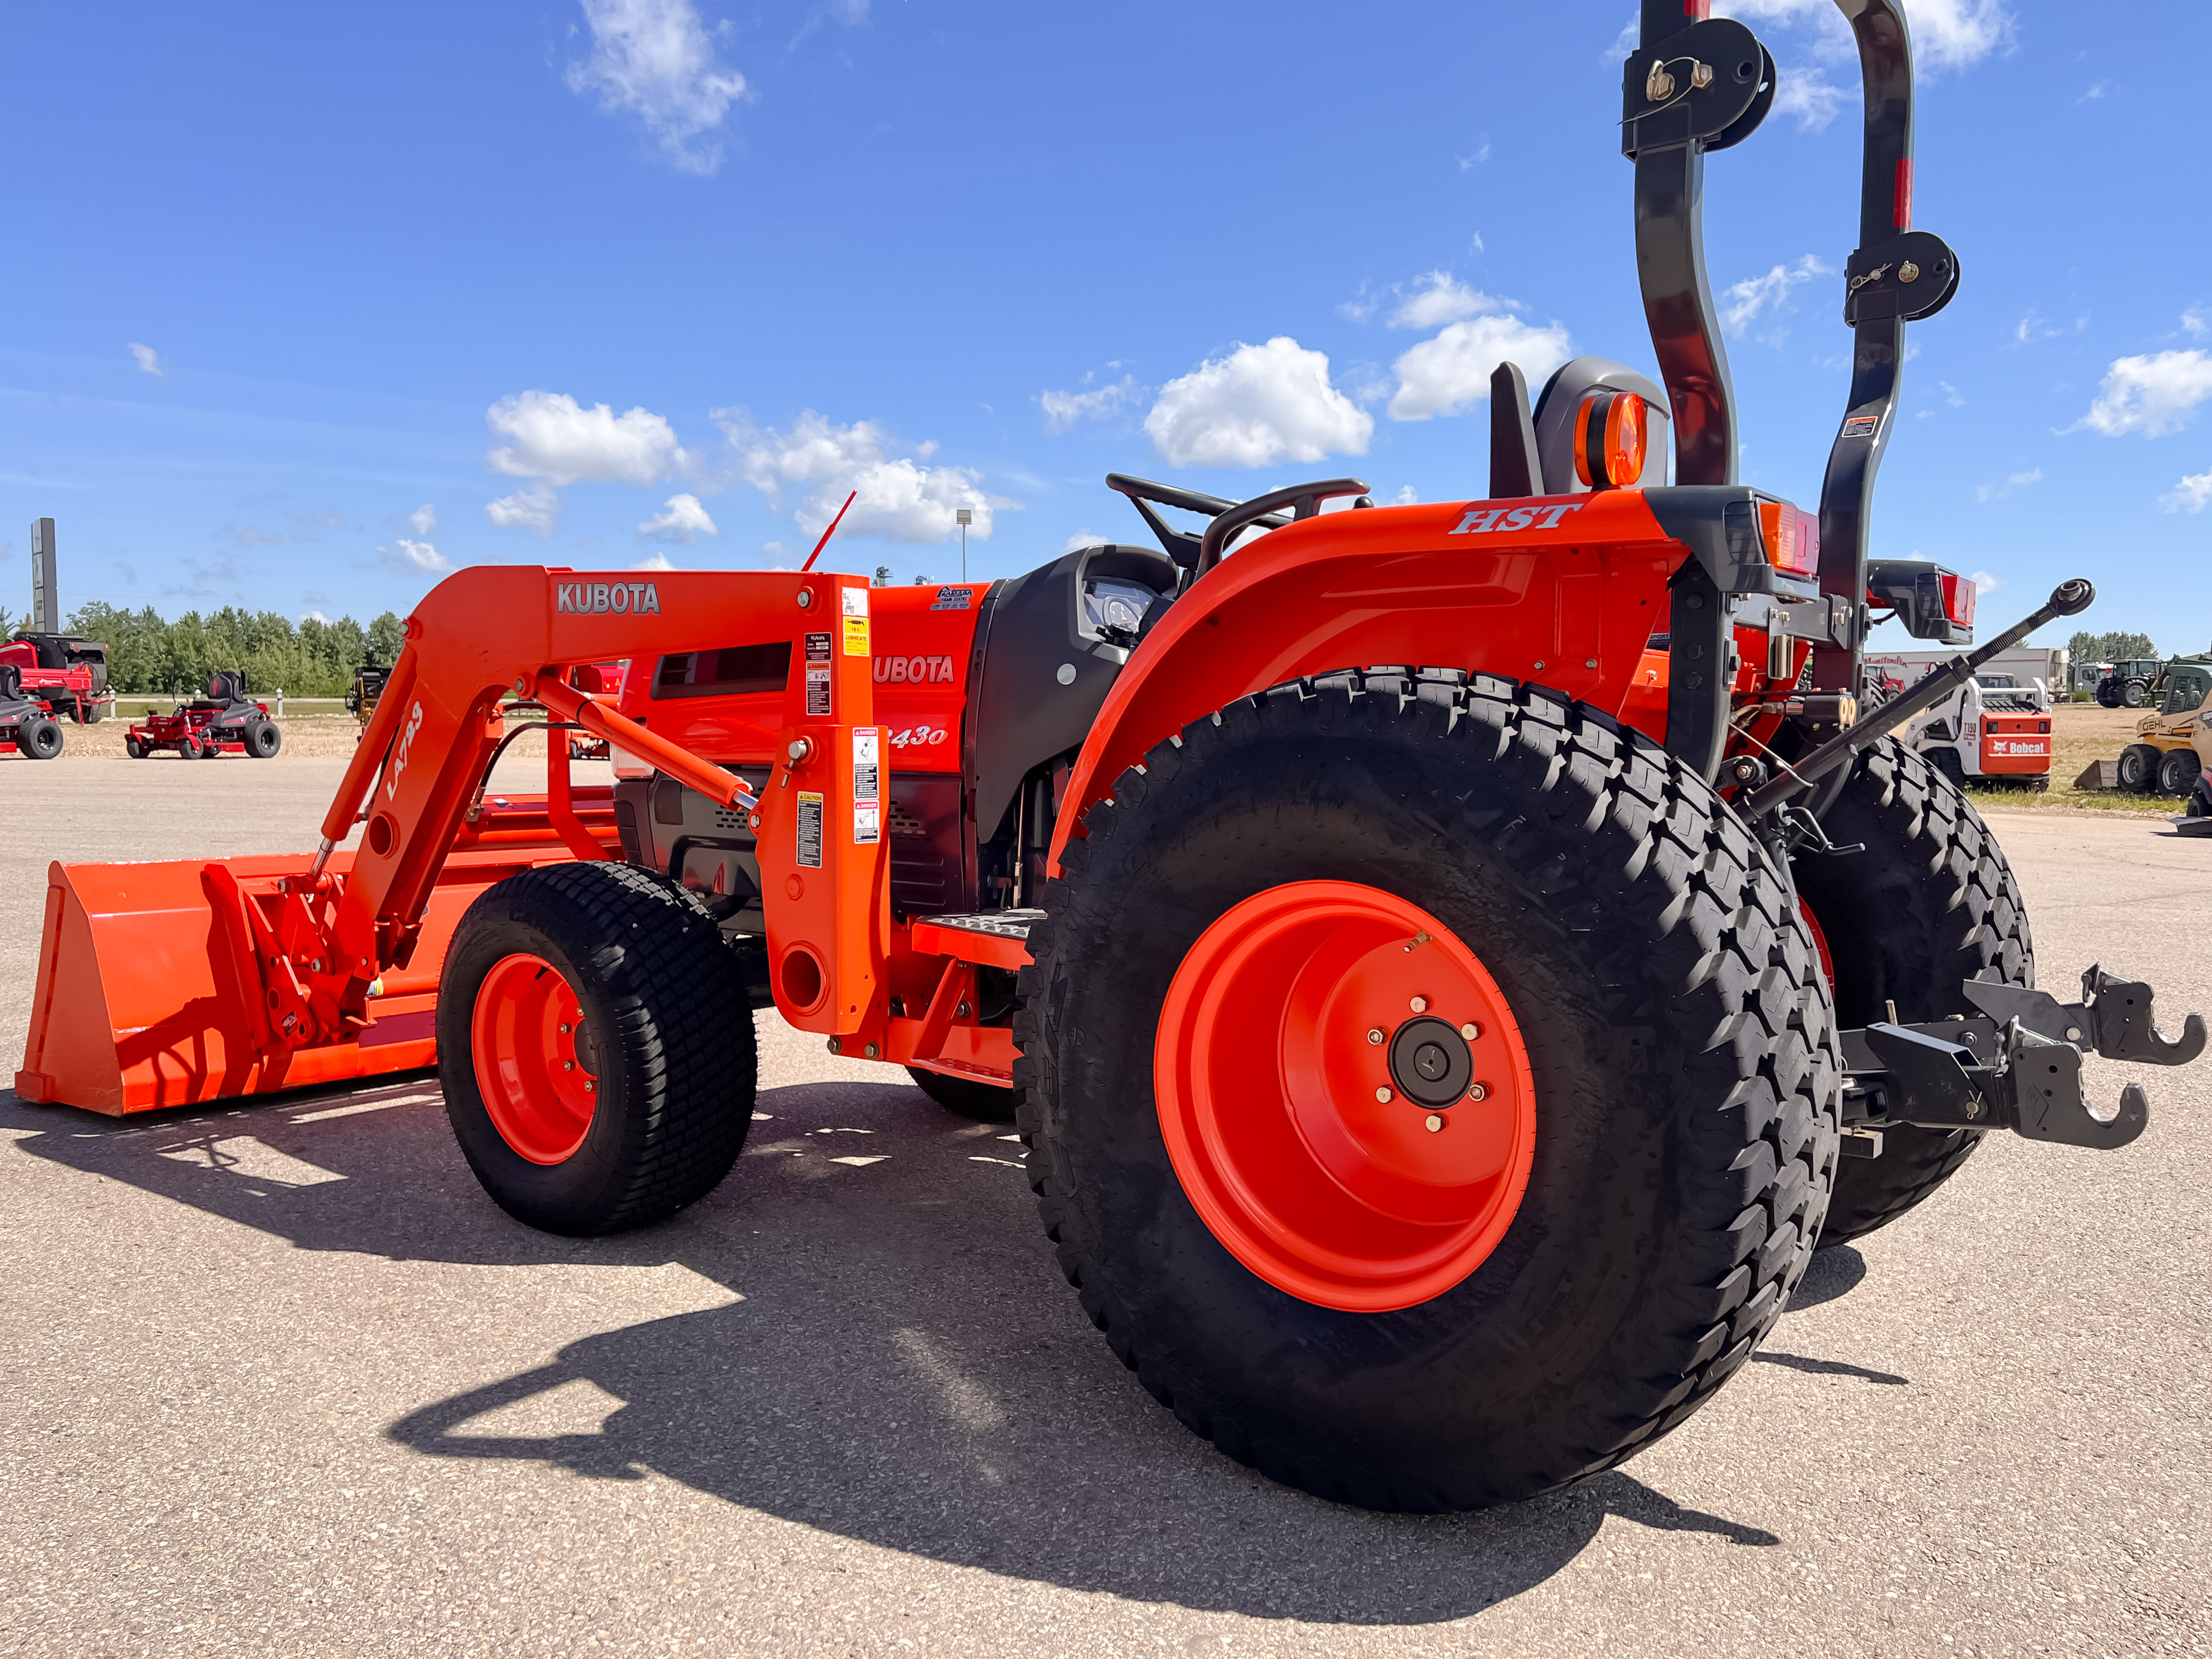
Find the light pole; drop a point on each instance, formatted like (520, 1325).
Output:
(963, 518)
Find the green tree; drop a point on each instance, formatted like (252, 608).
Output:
(2086, 647)
(386, 635)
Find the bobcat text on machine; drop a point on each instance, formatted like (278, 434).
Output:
(1452, 964)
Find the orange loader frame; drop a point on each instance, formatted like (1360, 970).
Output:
(171, 983)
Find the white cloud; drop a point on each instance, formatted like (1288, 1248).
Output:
(1985, 584)
(535, 507)
(1809, 95)
(2015, 480)
(1945, 34)
(420, 556)
(1440, 298)
(2151, 394)
(1084, 539)
(150, 361)
(1476, 157)
(1451, 373)
(1748, 300)
(1623, 43)
(899, 499)
(555, 438)
(655, 57)
(681, 520)
(2197, 322)
(424, 519)
(1259, 405)
(1062, 409)
(2193, 494)
(1408, 496)
(653, 562)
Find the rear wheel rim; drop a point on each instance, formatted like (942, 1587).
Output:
(522, 1037)
(1268, 1086)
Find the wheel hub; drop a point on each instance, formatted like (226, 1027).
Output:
(1430, 1063)
(536, 1062)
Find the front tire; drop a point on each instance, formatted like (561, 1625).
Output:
(2138, 768)
(39, 738)
(1658, 1026)
(263, 739)
(1929, 904)
(596, 1046)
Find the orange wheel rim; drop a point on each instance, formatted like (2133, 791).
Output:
(1325, 1112)
(522, 1037)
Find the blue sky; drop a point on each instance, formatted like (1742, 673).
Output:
(309, 303)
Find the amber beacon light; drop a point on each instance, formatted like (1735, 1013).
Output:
(1609, 431)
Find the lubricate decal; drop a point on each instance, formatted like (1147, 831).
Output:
(953, 599)
(867, 785)
(856, 621)
(817, 676)
(606, 598)
(809, 830)
(1862, 426)
(1490, 520)
(399, 756)
(913, 671)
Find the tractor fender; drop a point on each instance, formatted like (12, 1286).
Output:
(1563, 590)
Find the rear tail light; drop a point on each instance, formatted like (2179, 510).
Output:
(1958, 595)
(1609, 439)
(1792, 538)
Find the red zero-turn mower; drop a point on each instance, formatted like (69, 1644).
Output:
(1450, 963)
(225, 721)
(25, 721)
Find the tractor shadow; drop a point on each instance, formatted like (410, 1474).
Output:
(901, 1363)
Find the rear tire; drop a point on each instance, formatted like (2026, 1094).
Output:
(40, 739)
(1929, 904)
(187, 749)
(2138, 768)
(2200, 801)
(2131, 694)
(1681, 1061)
(657, 1019)
(2178, 771)
(263, 739)
(984, 1102)
(134, 748)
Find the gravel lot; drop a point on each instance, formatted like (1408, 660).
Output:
(282, 1381)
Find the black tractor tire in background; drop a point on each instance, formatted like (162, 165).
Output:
(2178, 771)
(1946, 759)
(2138, 768)
(676, 1066)
(2107, 695)
(188, 749)
(134, 748)
(38, 738)
(1928, 905)
(90, 711)
(984, 1102)
(2131, 694)
(1687, 1084)
(263, 739)
(2200, 801)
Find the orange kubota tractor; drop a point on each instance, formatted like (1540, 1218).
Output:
(1452, 964)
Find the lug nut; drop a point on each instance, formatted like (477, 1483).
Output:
(1382, 1095)
(1470, 1032)
(1436, 1123)
(1478, 1091)
(1375, 1036)
(1420, 1004)
(870, 1051)
(590, 1087)
(564, 1030)
(568, 1065)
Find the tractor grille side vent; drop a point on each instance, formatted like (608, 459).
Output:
(727, 819)
(903, 822)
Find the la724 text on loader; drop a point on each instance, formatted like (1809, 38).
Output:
(1452, 964)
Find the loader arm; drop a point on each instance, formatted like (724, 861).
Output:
(165, 983)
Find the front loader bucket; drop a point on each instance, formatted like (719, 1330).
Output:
(141, 1002)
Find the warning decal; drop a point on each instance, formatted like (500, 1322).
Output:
(1862, 426)
(818, 688)
(867, 787)
(809, 830)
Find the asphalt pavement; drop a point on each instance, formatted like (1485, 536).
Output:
(280, 1380)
